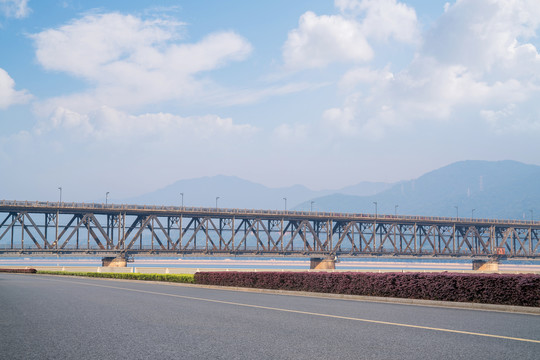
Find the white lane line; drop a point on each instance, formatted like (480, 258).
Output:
(303, 312)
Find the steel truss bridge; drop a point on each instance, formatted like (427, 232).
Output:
(59, 228)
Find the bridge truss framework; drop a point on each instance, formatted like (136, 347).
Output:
(41, 228)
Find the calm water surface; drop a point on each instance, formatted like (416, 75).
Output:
(272, 263)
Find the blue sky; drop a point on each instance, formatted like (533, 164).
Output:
(128, 97)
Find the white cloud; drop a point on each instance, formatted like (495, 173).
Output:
(108, 124)
(131, 62)
(476, 61)
(425, 91)
(513, 119)
(85, 45)
(363, 75)
(8, 95)
(383, 19)
(14, 8)
(227, 97)
(292, 133)
(360, 117)
(128, 152)
(341, 120)
(484, 34)
(321, 40)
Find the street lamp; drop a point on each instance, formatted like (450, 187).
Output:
(532, 214)
(182, 194)
(395, 210)
(457, 212)
(57, 216)
(311, 208)
(217, 198)
(106, 198)
(375, 209)
(472, 214)
(285, 203)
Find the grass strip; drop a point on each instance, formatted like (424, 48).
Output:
(176, 278)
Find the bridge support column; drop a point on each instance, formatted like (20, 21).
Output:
(485, 265)
(114, 262)
(323, 263)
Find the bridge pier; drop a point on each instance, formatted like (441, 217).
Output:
(323, 263)
(114, 262)
(485, 265)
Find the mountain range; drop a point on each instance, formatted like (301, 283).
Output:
(480, 189)
(234, 192)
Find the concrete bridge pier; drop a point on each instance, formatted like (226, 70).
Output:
(485, 265)
(114, 261)
(328, 263)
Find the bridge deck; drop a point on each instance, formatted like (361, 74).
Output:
(114, 209)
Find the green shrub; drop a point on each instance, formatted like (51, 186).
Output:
(178, 278)
(503, 289)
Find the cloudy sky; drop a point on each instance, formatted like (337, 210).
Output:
(130, 96)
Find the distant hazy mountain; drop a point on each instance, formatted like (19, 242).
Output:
(502, 189)
(232, 191)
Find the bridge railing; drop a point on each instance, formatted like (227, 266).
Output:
(221, 211)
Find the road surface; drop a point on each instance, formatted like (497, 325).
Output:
(53, 317)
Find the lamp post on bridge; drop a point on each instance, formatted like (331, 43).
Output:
(395, 210)
(375, 223)
(457, 212)
(106, 198)
(285, 203)
(217, 198)
(472, 214)
(182, 194)
(57, 217)
(311, 208)
(532, 214)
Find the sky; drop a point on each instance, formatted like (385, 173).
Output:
(127, 97)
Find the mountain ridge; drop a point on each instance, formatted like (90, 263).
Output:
(471, 188)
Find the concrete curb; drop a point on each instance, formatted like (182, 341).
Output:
(401, 301)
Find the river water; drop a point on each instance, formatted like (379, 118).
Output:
(277, 263)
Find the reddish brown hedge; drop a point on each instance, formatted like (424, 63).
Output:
(20, 271)
(522, 290)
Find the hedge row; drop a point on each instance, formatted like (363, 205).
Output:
(20, 271)
(521, 290)
(178, 278)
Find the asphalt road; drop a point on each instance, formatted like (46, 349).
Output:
(48, 317)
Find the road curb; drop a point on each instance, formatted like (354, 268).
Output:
(402, 301)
